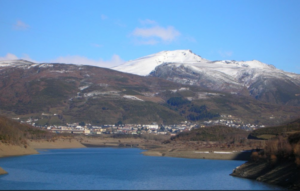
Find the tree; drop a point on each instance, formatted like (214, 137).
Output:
(119, 123)
(82, 124)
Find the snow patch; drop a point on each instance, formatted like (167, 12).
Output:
(83, 87)
(96, 93)
(132, 97)
(222, 152)
(201, 151)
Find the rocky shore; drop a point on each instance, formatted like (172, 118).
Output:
(285, 173)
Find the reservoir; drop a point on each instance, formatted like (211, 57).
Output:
(119, 168)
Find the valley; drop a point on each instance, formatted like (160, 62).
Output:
(180, 105)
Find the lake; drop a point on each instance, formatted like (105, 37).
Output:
(119, 168)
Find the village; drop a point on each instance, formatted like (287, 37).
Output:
(134, 129)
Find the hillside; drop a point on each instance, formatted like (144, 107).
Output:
(215, 133)
(12, 132)
(87, 93)
(272, 132)
(49, 93)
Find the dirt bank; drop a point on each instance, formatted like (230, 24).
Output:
(18, 150)
(285, 173)
(111, 142)
(57, 144)
(219, 155)
(156, 148)
(2, 171)
(7, 150)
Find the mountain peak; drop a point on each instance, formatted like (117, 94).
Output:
(145, 65)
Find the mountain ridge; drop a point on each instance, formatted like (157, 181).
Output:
(58, 93)
(261, 81)
(179, 56)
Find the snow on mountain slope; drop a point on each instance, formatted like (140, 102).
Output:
(16, 63)
(231, 71)
(260, 80)
(145, 65)
(24, 64)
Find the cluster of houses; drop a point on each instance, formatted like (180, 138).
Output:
(231, 121)
(154, 128)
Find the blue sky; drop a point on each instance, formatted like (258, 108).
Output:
(109, 32)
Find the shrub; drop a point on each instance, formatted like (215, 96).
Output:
(271, 147)
(296, 149)
(297, 161)
(284, 148)
(177, 101)
(273, 159)
(254, 156)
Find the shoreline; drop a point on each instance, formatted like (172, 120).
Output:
(244, 156)
(2, 171)
(9, 150)
(151, 149)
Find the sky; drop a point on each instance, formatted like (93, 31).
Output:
(107, 33)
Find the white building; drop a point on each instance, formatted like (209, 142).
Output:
(151, 126)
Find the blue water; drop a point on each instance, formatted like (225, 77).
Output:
(114, 168)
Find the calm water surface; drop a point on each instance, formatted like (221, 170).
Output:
(111, 168)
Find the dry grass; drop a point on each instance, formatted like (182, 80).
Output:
(254, 156)
(297, 161)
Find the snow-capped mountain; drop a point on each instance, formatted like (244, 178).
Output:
(143, 66)
(89, 93)
(260, 80)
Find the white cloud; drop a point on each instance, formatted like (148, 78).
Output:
(103, 17)
(10, 56)
(81, 60)
(225, 53)
(96, 45)
(163, 34)
(190, 39)
(120, 23)
(27, 57)
(147, 22)
(20, 25)
(152, 33)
